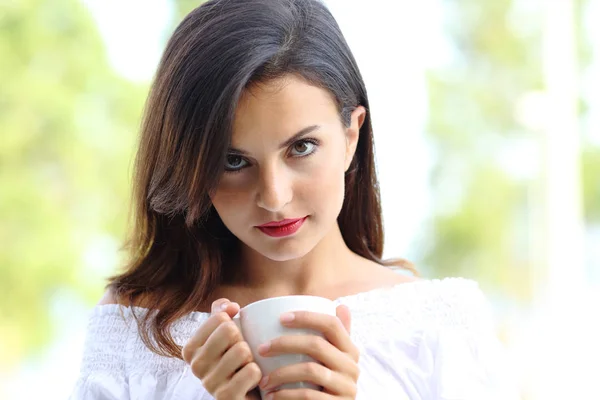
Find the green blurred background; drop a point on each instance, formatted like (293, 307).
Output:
(508, 191)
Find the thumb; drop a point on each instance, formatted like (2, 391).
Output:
(232, 309)
(343, 313)
(224, 305)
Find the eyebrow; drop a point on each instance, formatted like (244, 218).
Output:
(300, 134)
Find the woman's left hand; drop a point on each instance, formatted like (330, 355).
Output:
(339, 373)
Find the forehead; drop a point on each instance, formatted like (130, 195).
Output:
(283, 105)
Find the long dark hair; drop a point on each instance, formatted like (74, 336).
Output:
(178, 244)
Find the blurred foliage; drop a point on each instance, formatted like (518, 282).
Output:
(591, 153)
(67, 130)
(184, 7)
(591, 183)
(480, 228)
(475, 230)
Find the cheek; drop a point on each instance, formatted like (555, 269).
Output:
(230, 201)
(324, 185)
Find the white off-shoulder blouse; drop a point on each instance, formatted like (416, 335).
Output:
(428, 339)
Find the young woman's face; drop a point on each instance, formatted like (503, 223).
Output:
(286, 164)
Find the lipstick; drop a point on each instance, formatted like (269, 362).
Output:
(282, 228)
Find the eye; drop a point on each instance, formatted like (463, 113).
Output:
(304, 147)
(234, 162)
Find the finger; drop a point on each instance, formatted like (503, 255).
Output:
(202, 334)
(220, 311)
(331, 381)
(343, 313)
(224, 337)
(331, 327)
(219, 305)
(205, 357)
(241, 383)
(300, 394)
(234, 359)
(313, 346)
(226, 306)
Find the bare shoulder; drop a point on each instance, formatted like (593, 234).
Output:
(395, 276)
(369, 276)
(398, 278)
(382, 275)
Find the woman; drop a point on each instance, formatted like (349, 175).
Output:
(255, 178)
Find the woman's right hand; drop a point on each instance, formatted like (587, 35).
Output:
(220, 358)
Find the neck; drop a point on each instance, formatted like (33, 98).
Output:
(321, 267)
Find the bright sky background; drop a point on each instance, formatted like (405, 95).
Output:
(134, 32)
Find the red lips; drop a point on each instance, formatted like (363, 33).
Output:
(282, 228)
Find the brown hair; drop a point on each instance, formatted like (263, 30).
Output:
(178, 244)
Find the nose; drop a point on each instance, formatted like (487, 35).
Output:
(274, 189)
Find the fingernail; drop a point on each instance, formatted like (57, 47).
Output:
(287, 317)
(224, 306)
(263, 381)
(263, 348)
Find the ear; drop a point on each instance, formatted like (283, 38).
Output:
(357, 118)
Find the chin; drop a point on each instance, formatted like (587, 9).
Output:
(284, 253)
(284, 256)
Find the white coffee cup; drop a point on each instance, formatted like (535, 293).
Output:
(259, 323)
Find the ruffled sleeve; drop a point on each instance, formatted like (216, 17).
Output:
(116, 364)
(429, 340)
(102, 373)
(464, 360)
